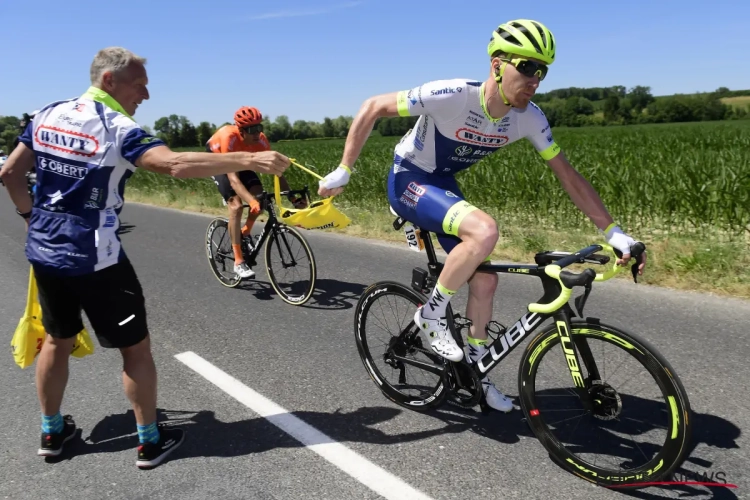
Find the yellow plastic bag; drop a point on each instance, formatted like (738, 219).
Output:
(321, 214)
(29, 336)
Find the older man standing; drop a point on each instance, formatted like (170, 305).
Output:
(85, 149)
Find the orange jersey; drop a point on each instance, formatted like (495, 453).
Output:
(228, 140)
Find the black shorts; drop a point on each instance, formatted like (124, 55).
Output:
(111, 298)
(248, 178)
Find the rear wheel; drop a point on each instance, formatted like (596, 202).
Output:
(638, 427)
(395, 353)
(220, 254)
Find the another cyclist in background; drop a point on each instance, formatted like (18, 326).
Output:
(245, 135)
(460, 122)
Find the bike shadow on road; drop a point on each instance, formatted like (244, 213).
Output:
(707, 429)
(329, 294)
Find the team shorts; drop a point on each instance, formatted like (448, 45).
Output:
(112, 299)
(429, 201)
(248, 178)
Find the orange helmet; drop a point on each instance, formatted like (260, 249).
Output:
(246, 117)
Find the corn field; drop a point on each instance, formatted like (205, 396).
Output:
(673, 177)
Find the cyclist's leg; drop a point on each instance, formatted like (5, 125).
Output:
(479, 310)
(482, 288)
(252, 183)
(234, 209)
(435, 203)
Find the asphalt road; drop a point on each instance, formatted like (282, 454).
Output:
(284, 408)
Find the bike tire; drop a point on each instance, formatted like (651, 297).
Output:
(216, 226)
(278, 238)
(435, 396)
(676, 445)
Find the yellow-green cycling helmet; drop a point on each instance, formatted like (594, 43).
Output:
(523, 37)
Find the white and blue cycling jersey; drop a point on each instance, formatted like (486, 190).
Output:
(86, 148)
(454, 131)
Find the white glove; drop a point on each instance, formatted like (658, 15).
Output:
(337, 178)
(619, 240)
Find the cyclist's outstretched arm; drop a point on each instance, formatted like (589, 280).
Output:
(383, 105)
(583, 195)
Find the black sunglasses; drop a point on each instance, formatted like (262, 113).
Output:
(529, 68)
(254, 129)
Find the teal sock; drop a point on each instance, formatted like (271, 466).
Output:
(148, 433)
(52, 424)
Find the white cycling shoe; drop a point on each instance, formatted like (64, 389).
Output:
(441, 340)
(243, 270)
(495, 399)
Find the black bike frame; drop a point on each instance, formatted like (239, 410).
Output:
(272, 225)
(508, 340)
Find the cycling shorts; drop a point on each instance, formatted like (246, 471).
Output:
(111, 298)
(429, 201)
(248, 178)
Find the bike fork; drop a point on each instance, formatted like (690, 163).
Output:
(574, 351)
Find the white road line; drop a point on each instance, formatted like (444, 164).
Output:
(361, 469)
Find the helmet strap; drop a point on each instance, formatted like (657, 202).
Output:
(499, 80)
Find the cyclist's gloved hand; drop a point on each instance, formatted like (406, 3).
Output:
(620, 241)
(333, 183)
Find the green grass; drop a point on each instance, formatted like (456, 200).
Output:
(684, 189)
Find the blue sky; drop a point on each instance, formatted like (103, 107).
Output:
(309, 60)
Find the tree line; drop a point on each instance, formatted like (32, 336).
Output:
(571, 107)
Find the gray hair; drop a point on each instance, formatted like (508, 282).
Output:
(114, 59)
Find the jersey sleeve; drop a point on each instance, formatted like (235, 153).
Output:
(27, 136)
(135, 142)
(439, 97)
(538, 131)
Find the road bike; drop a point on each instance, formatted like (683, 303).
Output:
(280, 241)
(585, 392)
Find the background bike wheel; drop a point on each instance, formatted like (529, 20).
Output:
(384, 328)
(290, 265)
(220, 254)
(641, 414)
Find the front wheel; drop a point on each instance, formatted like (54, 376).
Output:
(638, 411)
(290, 265)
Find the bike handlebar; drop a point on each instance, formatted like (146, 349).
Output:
(568, 279)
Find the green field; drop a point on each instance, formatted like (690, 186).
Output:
(738, 101)
(651, 177)
(682, 188)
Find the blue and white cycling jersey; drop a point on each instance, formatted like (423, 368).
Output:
(454, 131)
(85, 150)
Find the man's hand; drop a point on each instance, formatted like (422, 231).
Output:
(268, 162)
(333, 183)
(622, 242)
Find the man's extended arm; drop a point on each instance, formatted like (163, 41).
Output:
(162, 160)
